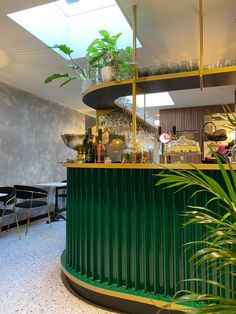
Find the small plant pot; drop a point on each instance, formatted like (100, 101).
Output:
(86, 84)
(107, 74)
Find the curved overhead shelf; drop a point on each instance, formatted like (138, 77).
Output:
(103, 96)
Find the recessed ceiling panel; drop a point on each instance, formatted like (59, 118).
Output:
(76, 24)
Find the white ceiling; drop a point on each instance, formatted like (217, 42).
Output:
(167, 29)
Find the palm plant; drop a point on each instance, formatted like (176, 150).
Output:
(230, 116)
(217, 248)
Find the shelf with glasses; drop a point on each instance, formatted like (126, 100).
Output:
(103, 96)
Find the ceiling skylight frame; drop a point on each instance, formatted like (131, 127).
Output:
(50, 25)
(162, 99)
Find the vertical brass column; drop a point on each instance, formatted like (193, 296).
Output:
(134, 70)
(201, 44)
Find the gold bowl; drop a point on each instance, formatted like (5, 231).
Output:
(73, 141)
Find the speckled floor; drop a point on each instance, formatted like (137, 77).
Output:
(30, 273)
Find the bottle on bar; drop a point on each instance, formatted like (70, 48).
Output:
(174, 134)
(100, 150)
(89, 147)
(85, 147)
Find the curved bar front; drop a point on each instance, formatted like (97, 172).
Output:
(124, 238)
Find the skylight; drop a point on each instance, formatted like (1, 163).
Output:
(75, 24)
(153, 100)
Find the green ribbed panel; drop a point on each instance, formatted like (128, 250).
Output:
(123, 231)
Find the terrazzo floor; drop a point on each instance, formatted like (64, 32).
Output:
(30, 273)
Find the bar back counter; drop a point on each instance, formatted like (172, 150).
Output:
(125, 240)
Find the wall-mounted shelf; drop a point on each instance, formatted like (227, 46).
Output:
(102, 96)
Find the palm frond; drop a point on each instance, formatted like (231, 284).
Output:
(216, 251)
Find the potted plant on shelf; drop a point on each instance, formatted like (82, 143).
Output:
(103, 53)
(87, 76)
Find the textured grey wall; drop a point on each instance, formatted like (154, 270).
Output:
(30, 142)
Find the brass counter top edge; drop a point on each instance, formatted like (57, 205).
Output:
(142, 166)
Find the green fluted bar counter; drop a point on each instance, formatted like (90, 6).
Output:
(124, 237)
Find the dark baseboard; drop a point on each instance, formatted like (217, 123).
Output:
(114, 303)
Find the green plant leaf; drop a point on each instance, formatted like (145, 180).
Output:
(67, 81)
(54, 76)
(104, 33)
(63, 48)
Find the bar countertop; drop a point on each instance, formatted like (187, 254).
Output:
(144, 166)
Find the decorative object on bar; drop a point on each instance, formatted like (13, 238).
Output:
(88, 75)
(76, 142)
(103, 53)
(216, 249)
(135, 155)
(219, 133)
(216, 135)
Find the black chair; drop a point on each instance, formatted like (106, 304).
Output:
(32, 199)
(6, 200)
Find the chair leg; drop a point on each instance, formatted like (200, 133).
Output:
(28, 220)
(17, 224)
(2, 218)
(9, 221)
(1, 224)
(49, 218)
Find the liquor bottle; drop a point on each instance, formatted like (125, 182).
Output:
(174, 136)
(85, 151)
(100, 150)
(89, 147)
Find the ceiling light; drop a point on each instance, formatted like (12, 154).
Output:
(153, 100)
(71, 1)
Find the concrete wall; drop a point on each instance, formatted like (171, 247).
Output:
(30, 142)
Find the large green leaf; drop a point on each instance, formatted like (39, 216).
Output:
(54, 76)
(63, 48)
(104, 33)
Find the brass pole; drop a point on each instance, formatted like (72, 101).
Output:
(144, 103)
(201, 44)
(134, 59)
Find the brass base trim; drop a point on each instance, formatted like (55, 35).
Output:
(159, 304)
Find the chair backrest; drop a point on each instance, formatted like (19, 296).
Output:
(10, 194)
(29, 192)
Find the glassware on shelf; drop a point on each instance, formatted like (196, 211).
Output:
(194, 64)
